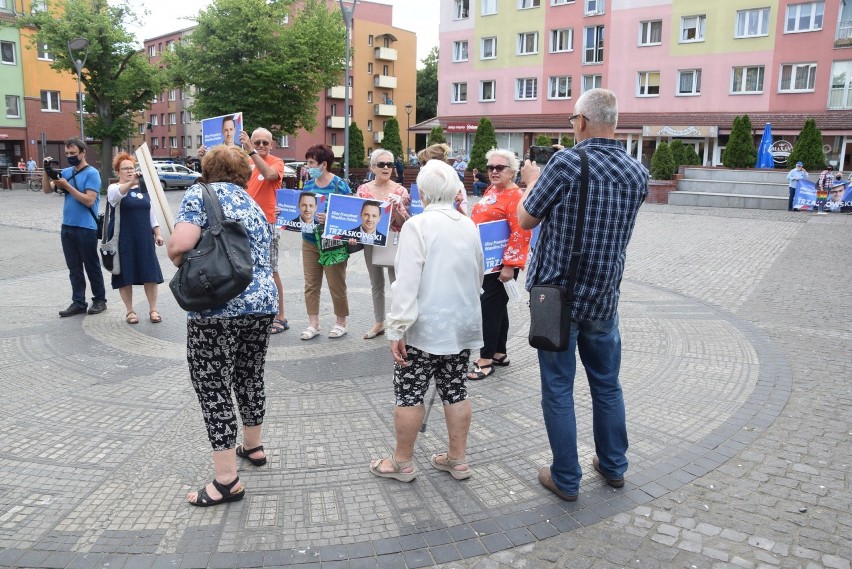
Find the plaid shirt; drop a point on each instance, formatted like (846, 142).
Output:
(618, 185)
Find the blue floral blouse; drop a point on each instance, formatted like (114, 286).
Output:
(261, 295)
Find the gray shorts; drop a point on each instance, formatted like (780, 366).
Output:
(273, 247)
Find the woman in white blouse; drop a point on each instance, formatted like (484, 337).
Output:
(434, 322)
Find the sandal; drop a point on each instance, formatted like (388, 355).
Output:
(480, 373)
(309, 333)
(337, 332)
(155, 317)
(372, 334)
(131, 318)
(243, 452)
(279, 326)
(203, 499)
(504, 361)
(396, 473)
(449, 465)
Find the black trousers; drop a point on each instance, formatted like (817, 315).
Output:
(495, 316)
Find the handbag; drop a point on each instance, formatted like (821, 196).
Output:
(220, 267)
(385, 256)
(108, 248)
(550, 305)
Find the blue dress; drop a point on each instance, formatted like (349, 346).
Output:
(136, 248)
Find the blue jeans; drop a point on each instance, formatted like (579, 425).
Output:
(80, 246)
(599, 344)
(478, 187)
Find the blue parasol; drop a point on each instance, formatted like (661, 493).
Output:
(764, 156)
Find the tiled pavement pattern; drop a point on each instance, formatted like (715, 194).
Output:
(736, 374)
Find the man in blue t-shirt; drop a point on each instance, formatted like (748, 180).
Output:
(81, 186)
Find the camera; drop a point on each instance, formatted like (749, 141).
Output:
(541, 154)
(50, 170)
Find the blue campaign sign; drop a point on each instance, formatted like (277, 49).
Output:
(534, 237)
(290, 214)
(805, 196)
(224, 129)
(416, 203)
(839, 197)
(494, 236)
(364, 220)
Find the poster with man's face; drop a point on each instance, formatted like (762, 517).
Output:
(364, 220)
(298, 209)
(224, 129)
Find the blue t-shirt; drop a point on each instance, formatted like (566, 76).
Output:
(337, 186)
(74, 213)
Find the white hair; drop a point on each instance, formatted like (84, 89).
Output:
(374, 155)
(598, 106)
(438, 182)
(510, 157)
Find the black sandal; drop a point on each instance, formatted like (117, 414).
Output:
(243, 453)
(504, 361)
(203, 499)
(479, 372)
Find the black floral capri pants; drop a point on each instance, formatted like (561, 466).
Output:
(411, 382)
(227, 355)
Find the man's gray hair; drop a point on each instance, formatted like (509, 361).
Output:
(262, 130)
(598, 106)
(374, 155)
(511, 158)
(438, 182)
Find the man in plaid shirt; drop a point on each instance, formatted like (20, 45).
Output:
(618, 185)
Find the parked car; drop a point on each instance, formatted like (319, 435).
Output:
(175, 175)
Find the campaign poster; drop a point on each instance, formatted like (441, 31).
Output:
(225, 129)
(494, 236)
(416, 203)
(364, 220)
(806, 195)
(839, 198)
(534, 237)
(292, 216)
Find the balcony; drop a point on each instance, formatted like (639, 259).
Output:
(378, 136)
(336, 92)
(384, 81)
(338, 151)
(385, 53)
(384, 110)
(844, 34)
(335, 122)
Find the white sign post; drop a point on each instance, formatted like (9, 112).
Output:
(158, 196)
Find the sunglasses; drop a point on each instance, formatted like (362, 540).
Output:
(384, 164)
(496, 167)
(261, 142)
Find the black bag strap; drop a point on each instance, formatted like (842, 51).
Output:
(212, 206)
(579, 224)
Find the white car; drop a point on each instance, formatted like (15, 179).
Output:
(175, 175)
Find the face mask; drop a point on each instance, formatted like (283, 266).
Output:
(73, 160)
(314, 172)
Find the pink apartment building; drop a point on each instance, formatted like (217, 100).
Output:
(681, 69)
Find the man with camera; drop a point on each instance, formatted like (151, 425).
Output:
(551, 199)
(80, 184)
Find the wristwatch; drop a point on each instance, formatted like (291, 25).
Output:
(252, 153)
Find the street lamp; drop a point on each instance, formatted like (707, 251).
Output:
(408, 108)
(348, 15)
(78, 45)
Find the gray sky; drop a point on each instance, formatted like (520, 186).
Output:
(168, 15)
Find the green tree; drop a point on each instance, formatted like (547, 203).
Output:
(543, 140)
(566, 142)
(243, 57)
(484, 140)
(677, 149)
(690, 157)
(392, 141)
(663, 164)
(427, 87)
(808, 148)
(436, 136)
(740, 151)
(356, 146)
(117, 78)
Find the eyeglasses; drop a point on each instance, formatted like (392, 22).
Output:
(261, 142)
(129, 169)
(384, 164)
(496, 167)
(572, 118)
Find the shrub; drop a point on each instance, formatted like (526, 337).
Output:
(392, 141)
(436, 136)
(356, 147)
(740, 151)
(808, 148)
(485, 140)
(663, 164)
(542, 140)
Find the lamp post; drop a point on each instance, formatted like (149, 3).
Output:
(408, 107)
(348, 15)
(78, 45)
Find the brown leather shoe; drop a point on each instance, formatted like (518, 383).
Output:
(546, 481)
(614, 482)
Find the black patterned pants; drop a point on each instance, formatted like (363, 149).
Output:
(411, 382)
(226, 356)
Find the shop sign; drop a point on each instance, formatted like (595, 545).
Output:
(461, 127)
(681, 131)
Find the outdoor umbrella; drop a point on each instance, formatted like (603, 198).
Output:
(764, 156)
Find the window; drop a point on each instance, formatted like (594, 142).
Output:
(594, 7)
(747, 80)
(44, 53)
(649, 84)
(385, 70)
(592, 82)
(285, 141)
(182, 117)
(13, 107)
(559, 87)
(460, 51)
(172, 118)
(334, 139)
(369, 96)
(560, 2)
(527, 43)
(461, 9)
(38, 6)
(333, 109)
(689, 82)
(152, 50)
(50, 101)
(804, 17)
(370, 40)
(526, 89)
(369, 125)
(155, 99)
(840, 96)
(80, 100)
(183, 142)
(524, 4)
(487, 91)
(142, 128)
(561, 40)
(797, 77)
(155, 142)
(370, 68)
(163, 141)
(488, 48)
(173, 142)
(173, 95)
(489, 7)
(154, 120)
(7, 6)
(752, 23)
(198, 141)
(651, 33)
(692, 28)
(7, 52)
(593, 44)
(459, 93)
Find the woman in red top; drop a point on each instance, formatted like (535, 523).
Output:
(500, 201)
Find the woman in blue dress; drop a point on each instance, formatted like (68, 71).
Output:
(138, 233)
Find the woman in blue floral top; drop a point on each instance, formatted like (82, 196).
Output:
(226, 346)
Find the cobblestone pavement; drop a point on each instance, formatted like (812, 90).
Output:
(738, 408)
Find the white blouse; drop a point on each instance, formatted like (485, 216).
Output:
(114, 197)
(439, 271)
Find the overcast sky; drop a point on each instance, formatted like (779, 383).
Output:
(168, 16)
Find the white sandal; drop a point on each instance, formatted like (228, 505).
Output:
(337, 332)
(310, 333)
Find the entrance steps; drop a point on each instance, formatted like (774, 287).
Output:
(722, 187)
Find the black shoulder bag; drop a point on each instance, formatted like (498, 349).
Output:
(220, 266)
(550, 305)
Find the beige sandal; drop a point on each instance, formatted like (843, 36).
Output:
(131, 318)
(396, 473)
(449, 465)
